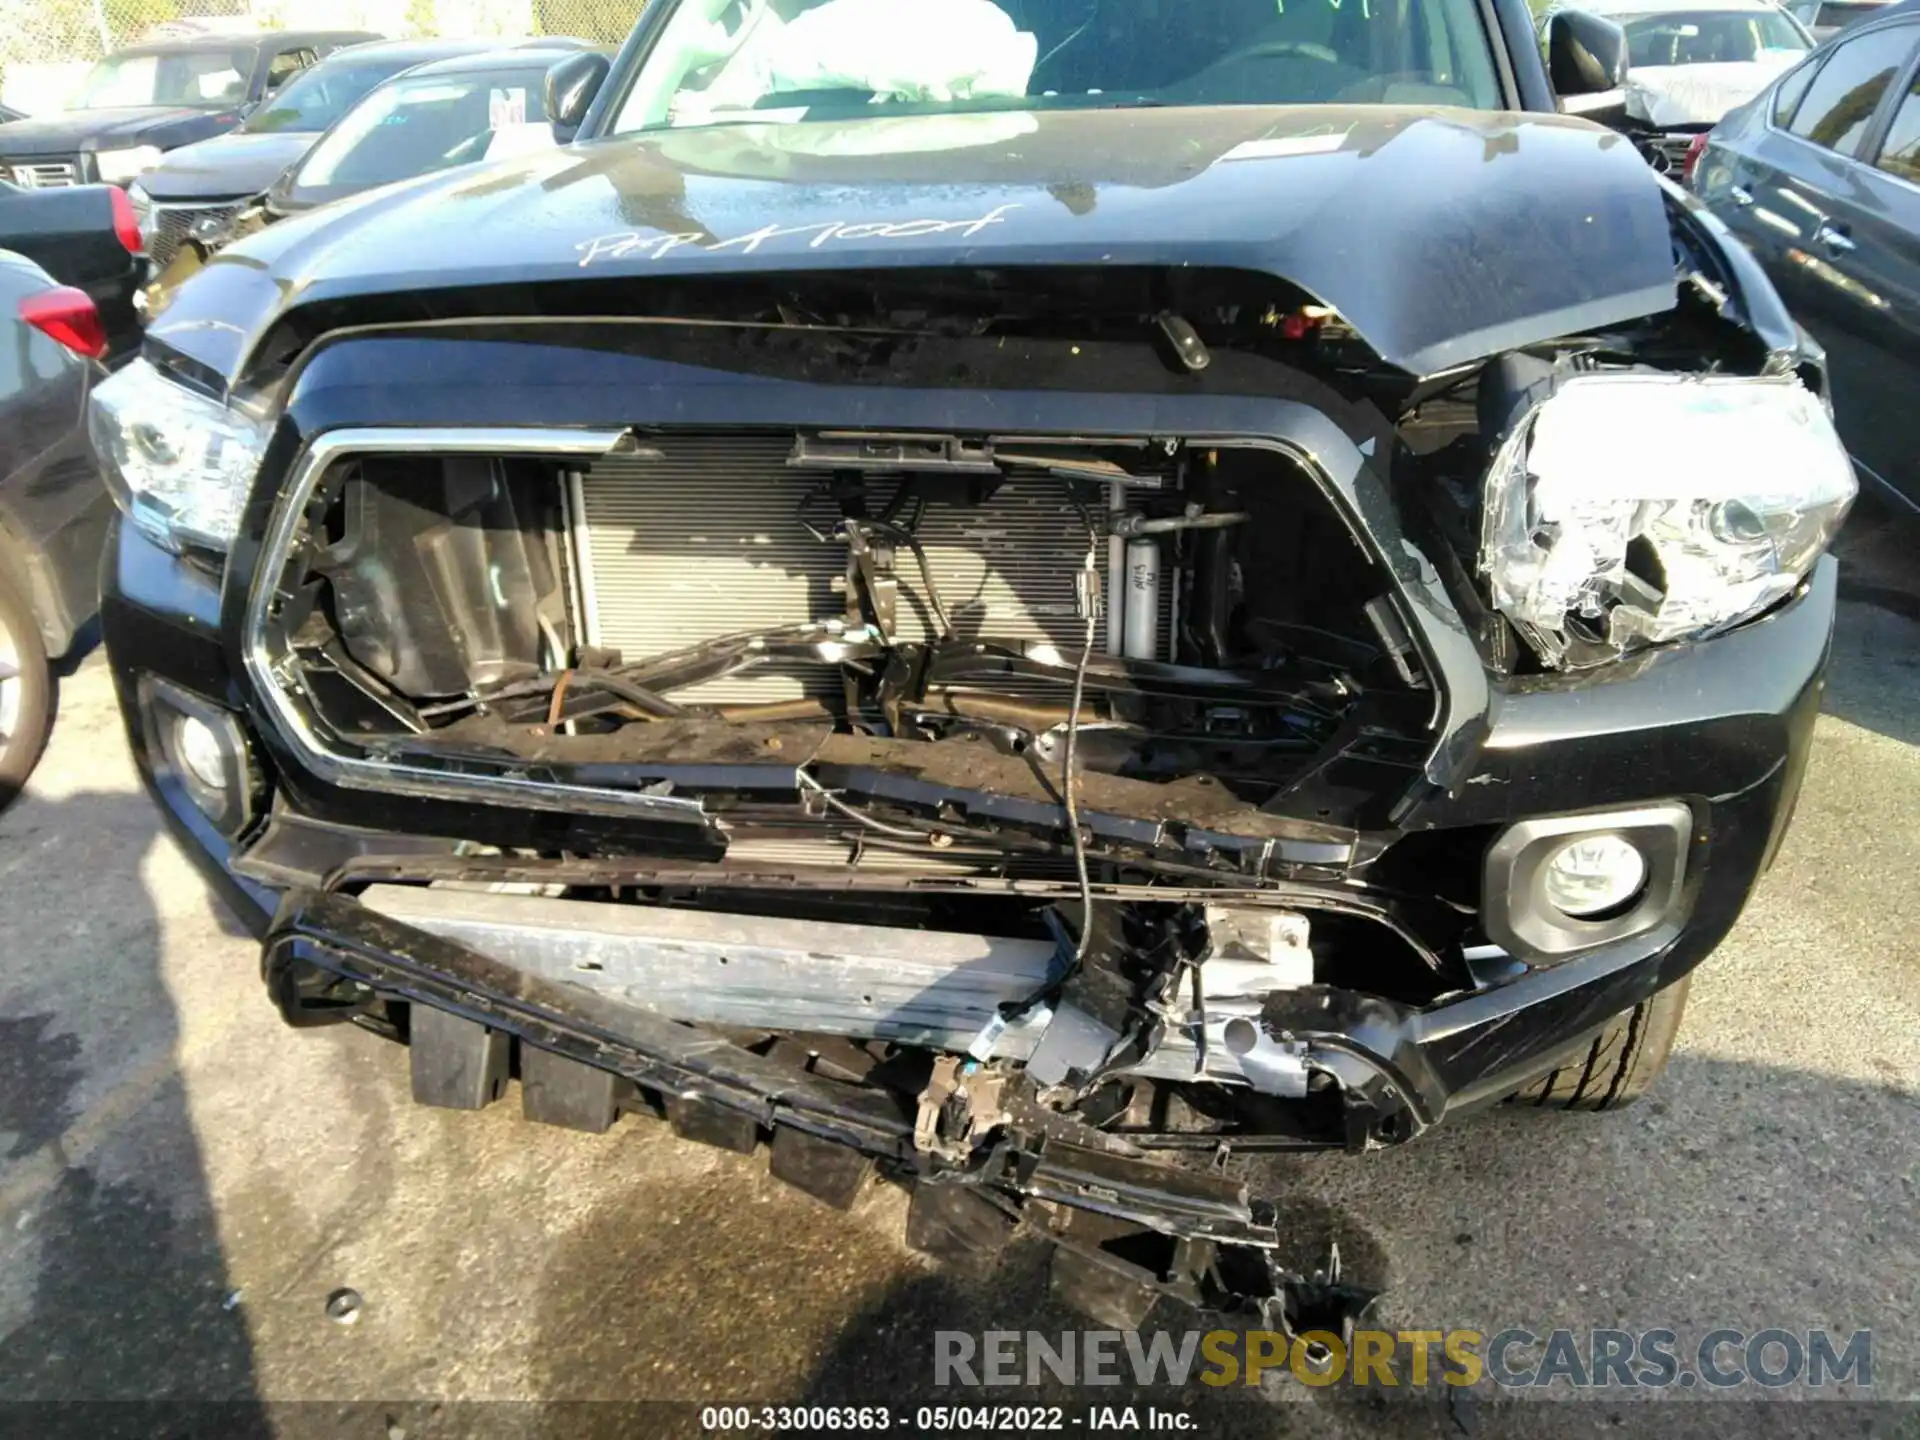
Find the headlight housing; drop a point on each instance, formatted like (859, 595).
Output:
(1634, 508)
(142, 204)
(178, 463)
(117, 167)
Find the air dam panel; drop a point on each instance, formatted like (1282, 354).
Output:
(928, 988)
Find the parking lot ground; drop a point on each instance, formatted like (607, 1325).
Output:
(184, 1182)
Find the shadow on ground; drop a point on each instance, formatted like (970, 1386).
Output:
(1588, 1176)
(1689, 1211)
(112, 1282)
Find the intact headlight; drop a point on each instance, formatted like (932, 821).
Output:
(1631, 509)
(178, 463)
(117, 167)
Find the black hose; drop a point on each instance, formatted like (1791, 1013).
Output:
(650, 701)
(903, 536)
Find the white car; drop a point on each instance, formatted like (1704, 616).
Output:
(1689, 63)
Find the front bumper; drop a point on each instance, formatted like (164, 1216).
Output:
(1723, 726)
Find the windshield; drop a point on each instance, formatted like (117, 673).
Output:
(198, 79)
(416, 125)
(1703, 37)
(730, 60)
(322, 95)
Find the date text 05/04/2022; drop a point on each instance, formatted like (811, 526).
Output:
(1016, 1419)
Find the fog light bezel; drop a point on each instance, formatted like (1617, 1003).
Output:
(164, 708)
(1516, 912)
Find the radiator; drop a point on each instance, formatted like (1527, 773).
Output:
(703, 539)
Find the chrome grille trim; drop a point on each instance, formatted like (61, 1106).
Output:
(354, 772)
(43, 174)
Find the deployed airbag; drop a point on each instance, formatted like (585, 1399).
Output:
(927, 50)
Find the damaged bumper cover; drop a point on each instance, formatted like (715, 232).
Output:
(327, 958)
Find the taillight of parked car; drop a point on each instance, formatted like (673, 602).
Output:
(126, 223)
(1694, 152)
(70, 317)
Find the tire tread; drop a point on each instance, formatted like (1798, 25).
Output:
(1620, 1064)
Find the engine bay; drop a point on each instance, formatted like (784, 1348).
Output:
(1184, 613)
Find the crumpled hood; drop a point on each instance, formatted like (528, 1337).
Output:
(227, 166)
(73, 131)
(1442, 236)
(1667, 95)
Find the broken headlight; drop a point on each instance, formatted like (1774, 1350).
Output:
(178, 463)
(1631, 509)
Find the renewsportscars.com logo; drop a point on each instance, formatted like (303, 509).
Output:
(1512, 1358)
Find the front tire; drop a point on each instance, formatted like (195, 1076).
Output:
(1622, 1062)
(26, 693)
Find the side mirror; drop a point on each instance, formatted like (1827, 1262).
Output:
(1586, 54)
(571, 86)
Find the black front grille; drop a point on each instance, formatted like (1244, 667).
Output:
(171, 225)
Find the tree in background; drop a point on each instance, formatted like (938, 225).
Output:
(77, 29)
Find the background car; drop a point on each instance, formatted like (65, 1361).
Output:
(86, 236)
(433, 117)
(1827, 18)
(1820, 176)
(139, 103)
(54, 510)
(207, 180)
(1691, 61)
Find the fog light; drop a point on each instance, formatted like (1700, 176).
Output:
(199, 751)
(202, 755)
(1593, 874)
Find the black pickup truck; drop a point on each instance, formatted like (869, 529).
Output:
(1041, 595)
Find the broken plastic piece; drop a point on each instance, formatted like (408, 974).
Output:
(960, 1104)
(1074, 1045)
(557, 1091)
(832, 1174)
(457, 1064)
(695, 1119)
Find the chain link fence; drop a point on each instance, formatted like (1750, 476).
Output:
(46, 46)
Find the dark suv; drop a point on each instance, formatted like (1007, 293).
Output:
(1023, 601)
(140, 102)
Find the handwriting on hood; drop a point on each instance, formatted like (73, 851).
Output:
(642, 245)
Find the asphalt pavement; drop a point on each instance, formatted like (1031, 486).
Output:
(184, 1183)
